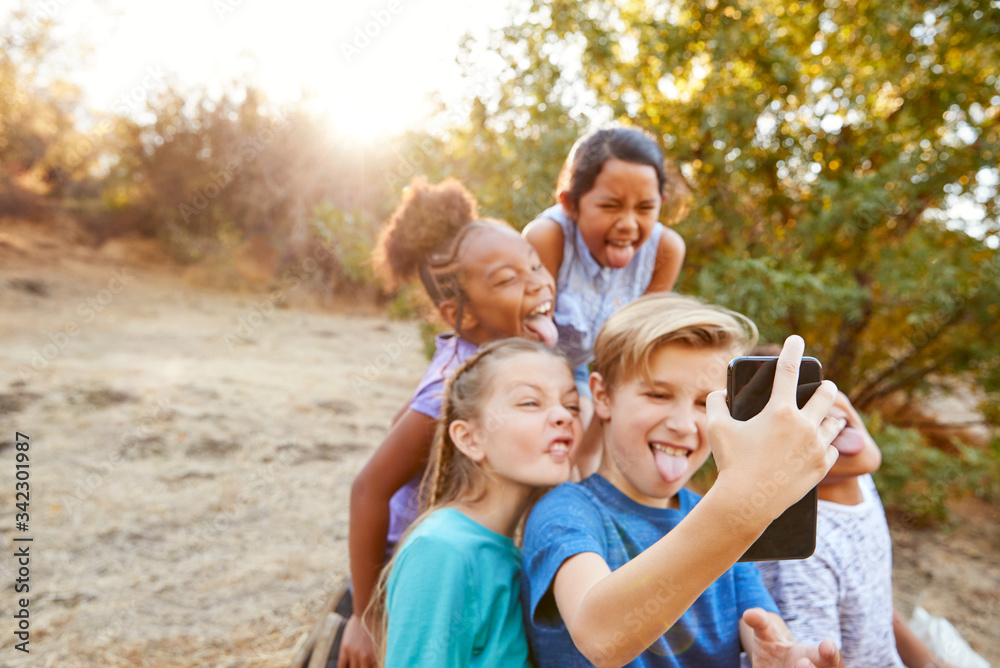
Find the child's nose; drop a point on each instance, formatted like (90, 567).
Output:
(560, 416)
(682, 420)
(627, 222)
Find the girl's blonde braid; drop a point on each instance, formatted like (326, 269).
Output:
(435, 477)
(439, 469)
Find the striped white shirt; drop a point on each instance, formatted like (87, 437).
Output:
(844, 591)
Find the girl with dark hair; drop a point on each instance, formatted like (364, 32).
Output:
(603, 240)
(487, 283)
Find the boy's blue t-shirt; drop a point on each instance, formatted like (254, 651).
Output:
(452, 597)
(594, 516)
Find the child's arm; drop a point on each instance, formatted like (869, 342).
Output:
(669, 258)
(600, 608)
(547, 238)
(911, 649)
(400, 457)
(768, 642)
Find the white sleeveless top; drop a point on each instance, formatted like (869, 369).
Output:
(587, 293)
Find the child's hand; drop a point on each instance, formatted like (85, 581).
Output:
(773, 459)
(356, 648)
(773, 645)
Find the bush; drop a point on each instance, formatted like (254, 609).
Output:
(915, 480)
(918, 481)
(983, 478)
(350, 237)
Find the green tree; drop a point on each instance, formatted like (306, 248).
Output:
(37, 112)
(825, 144)
(261, 192)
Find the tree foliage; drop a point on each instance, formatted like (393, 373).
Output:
(37, 114)
(827, 145)
(234, 176)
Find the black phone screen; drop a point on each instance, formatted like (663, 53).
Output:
(793, 534)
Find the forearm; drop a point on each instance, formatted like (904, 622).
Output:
(400, 457)
(625, 612)
(369, 527)
(913, 652)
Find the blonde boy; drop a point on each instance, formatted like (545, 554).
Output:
(624, 567)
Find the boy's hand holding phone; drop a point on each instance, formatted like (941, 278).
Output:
(774, 458)
(750, 379)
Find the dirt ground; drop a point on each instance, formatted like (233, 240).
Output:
(191, 453)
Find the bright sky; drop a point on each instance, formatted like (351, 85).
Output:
(369, 64)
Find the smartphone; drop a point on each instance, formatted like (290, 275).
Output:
(793, 534)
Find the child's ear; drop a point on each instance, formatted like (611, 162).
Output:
(602, 400)
(448, 310)
(567, 204)
(464, 435)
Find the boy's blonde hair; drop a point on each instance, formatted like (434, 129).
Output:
(631, 336)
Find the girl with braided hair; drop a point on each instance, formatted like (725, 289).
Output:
(487, 283)
(509, 420)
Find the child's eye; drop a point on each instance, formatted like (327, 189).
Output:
(536, 267)
(657, 395)
(573, 408)
(529, 403)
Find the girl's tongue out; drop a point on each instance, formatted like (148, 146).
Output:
(619, 255)
(850, 441)
(542, 327)
(671, 467)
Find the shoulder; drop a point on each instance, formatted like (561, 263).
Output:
(451, 351)
(547, 237)
(571, 505)
(567, 521)
(571, 493)
(671, 243)
(667, 260)
(544, 228)
(438, 539)
(446, 349)
(868, 487)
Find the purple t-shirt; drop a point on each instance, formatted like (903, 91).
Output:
(404, 506)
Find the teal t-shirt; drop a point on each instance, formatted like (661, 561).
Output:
(453, 597)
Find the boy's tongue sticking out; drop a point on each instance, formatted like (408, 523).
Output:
(541, 325)
(670, 462)
(619, 254)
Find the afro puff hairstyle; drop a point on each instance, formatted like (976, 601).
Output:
(423, 235)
